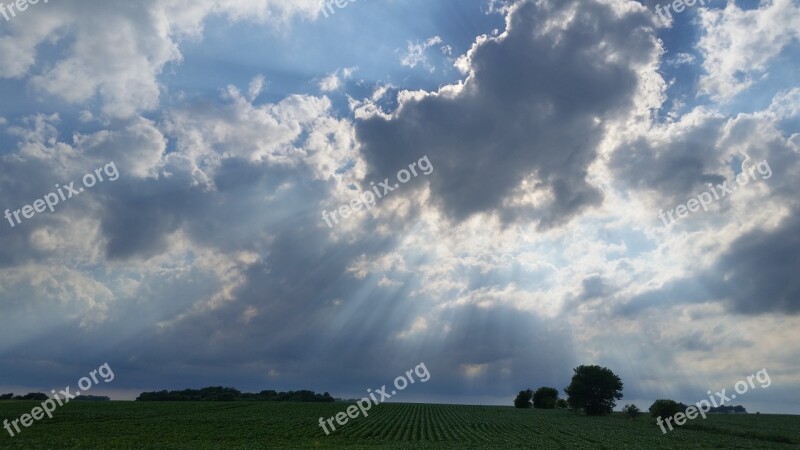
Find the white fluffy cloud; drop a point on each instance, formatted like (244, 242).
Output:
(335, 80)
(416, 53)
(139, 40)
(738, 44)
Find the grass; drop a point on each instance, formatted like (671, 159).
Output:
(244, 425)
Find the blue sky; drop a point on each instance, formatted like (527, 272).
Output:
(545, 139)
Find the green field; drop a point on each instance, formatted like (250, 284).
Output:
(207, 425)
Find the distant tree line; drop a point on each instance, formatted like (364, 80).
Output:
(38, 396)
(227, 394)
(91, 398)
(668, 408)
(30, 396)
(728, 409)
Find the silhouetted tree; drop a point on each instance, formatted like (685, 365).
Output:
(6, 396)
(545, 398)
(594, 389)
(561, 403)
(523, 399)
(666, 408)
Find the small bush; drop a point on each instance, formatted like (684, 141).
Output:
(631, 411)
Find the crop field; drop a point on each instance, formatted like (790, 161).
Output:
(252, 425)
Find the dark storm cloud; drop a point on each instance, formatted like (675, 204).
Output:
(531, 107)
(757, 274)
(143, 213)
(674, 170)
(140, 226)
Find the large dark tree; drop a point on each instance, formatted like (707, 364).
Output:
(523, 399)
(666, 408)
(594, 389)
(545, 398)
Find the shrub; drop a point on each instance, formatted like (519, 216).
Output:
(631, 410)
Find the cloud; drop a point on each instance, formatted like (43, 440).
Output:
(527, 121)
(256, 87)
(334, 81)
(416, 53)
(681, 59)
(758, 273)
(738, 45)
(123, 69)
(754, 276)
(677, 160)
(745, 239)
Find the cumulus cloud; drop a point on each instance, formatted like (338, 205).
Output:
(529, 117)
(746, 240)
(334, 81)
(677, 160)
(123, 69)
(737, 44)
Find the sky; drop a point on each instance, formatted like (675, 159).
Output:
(266, 194)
